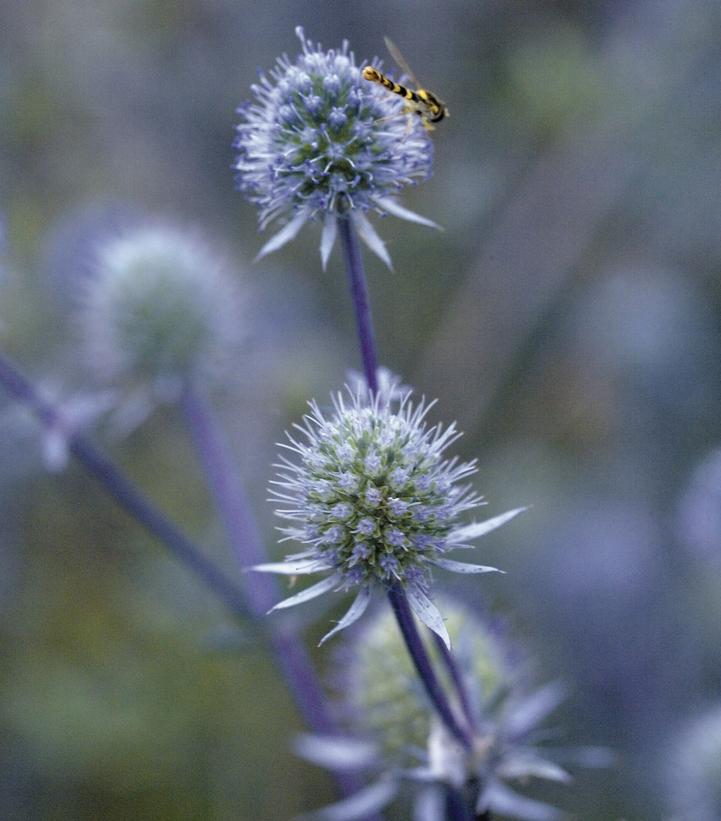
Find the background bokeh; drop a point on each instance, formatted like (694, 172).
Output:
(569, 317)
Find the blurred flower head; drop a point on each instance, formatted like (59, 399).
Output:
(693, 771)
(319, 141)
(395, 735)
(375, 502)
(159, 308)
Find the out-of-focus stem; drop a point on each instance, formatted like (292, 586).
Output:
(361, 301)
(261, 591)
(126, 494)
(244, 537)
(457, 808)
(458, 682)
(424, 668)
(290, 653)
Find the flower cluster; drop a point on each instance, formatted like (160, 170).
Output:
(393, 735)
(376, 503)
(320, 141)
(159, 307)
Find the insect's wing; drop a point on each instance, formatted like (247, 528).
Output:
(395, 53)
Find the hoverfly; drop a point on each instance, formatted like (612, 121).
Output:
(421, 101)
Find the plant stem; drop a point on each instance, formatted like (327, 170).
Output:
(457, 808)
(398, 600)
(424, 668)
(361, 301)
(241, 527)
(125, 493)
(244, 537)
(458, 682)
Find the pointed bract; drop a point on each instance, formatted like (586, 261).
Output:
(365, 802)
(285, 235)
(369, 235)
(465, 567)
(356, 610)
(392, 207)
(298, 567)
(501, 799)
(336, 752)
(424, 609)
(327, 237)
(461, 535)
(309, 593)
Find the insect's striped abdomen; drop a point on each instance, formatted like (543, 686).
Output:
(375, 76)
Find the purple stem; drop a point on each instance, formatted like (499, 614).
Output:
(457, 808)
(361, 302)
(422, 662)
(458, 682)
(290, 654)
(244, 537)
(261, 591)
(124, 492)
(398, 600)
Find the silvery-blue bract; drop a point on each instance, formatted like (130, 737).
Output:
(375, 503)
(394, 739)
(319, 141)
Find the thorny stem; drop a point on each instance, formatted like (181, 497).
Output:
(422, 663)
(361, 301)
(125, 493)
(458, 682)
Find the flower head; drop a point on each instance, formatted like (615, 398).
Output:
(393, 735)
(319, 141)
(159, 307)
(375, 502)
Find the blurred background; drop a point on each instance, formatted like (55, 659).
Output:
(569, 318)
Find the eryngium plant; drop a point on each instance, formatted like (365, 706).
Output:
(159, 307)
(319, 141)
(395, 737)
(375, 503)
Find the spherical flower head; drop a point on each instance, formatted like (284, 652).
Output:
(375, 502)
(380, 695)
(319, 141)
(396, 737)
(159, 306)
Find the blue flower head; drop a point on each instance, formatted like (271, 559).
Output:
(318, 142)
(375, 503)
(393, 736)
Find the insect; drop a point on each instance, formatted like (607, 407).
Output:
(421, 101)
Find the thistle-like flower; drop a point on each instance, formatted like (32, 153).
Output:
(394, 736)
(159, 308)
(376, 504)
(319, 141)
